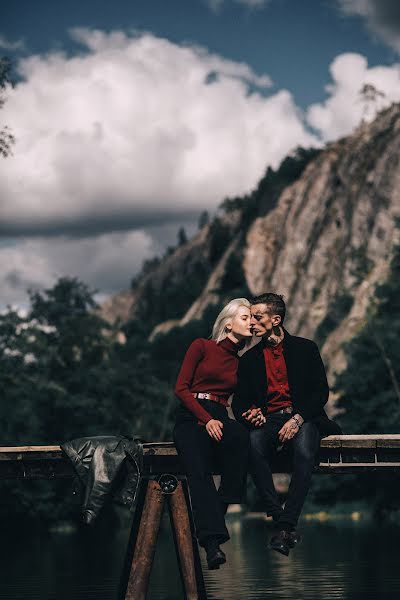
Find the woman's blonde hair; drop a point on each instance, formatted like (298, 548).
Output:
(219, 332)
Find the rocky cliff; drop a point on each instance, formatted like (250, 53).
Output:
(322, 236)
(328, 241)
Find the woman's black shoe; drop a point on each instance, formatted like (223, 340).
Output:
(215, 556)
(215, 559)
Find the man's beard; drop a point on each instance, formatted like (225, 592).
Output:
(272, 339)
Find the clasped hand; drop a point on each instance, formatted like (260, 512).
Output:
(286, 432)
(254, 416)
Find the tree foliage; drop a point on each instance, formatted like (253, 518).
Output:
(265, 197)
(6, 137)
(369, 394)
(63, 375)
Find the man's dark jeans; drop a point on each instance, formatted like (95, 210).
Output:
(264, 442)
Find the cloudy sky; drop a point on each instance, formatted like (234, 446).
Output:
(133, 116)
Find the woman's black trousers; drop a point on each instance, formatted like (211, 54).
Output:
(201, 456)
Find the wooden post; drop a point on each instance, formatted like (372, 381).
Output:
(145, 543)
(186, 545)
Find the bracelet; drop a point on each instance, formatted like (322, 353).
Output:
(297, 422)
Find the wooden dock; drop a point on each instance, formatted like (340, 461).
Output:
(338, 454)
(163, 483)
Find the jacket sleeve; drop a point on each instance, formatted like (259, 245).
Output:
(243, 396)
(193, 356)
(318, 390)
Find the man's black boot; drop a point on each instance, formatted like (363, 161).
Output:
(281, 542)
(295, 538)
(215, 556)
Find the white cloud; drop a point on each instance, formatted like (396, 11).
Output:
(136, 131)
(344, 108)
(132, 133)
(216, 5)
(9, 45)
(106, 262)
(382, 17)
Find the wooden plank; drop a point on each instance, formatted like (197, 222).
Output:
(348, 467)
(158, 445)
(359, 443)
(364, 436)
(163, 451)
(168, 448)
(392, 442)
(331, 442)
(36, 469)
(354, 451)
(31, 455)
(11, 449)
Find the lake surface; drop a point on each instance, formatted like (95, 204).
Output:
(338, 560)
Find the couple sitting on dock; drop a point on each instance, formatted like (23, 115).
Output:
(279, 389)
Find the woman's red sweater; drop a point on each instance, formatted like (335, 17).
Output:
(207, 367)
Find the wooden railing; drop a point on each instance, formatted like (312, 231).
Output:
(338, 453)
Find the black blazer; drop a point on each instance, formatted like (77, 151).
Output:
(306, 376)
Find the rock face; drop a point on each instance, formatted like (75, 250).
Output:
(325, 245)
(183, 283)
(328, 241)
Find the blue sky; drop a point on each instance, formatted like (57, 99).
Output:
(131, 117)
(293, 41)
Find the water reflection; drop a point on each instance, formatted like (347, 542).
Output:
(336, 561)
(345, 561)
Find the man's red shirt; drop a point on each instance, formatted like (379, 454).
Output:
(278, 393)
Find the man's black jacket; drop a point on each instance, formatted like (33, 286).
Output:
(306, 376)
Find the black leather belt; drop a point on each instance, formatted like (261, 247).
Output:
(284, 411)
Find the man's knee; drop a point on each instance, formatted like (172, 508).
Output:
(256, 440)
(306, 446)
(261, 443)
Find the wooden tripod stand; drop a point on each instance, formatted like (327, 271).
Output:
(153, 494)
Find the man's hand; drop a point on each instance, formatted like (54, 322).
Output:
(214, 429)
(254, 416)
(288, 431)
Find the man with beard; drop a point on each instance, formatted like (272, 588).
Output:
(280, 395)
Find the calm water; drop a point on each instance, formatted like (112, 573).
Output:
(337, 560)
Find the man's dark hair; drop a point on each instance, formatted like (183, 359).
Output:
(274, 302)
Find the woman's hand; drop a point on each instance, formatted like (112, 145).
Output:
(214, 429)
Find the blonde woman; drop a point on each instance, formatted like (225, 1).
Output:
(204, 430)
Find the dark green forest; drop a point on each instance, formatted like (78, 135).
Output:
(369, 398)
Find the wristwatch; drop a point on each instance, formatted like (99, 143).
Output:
(297, 421)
